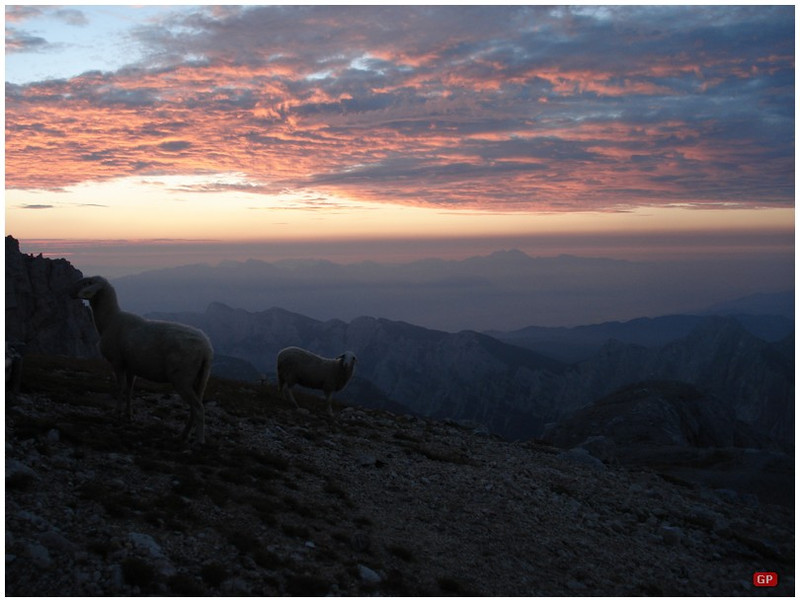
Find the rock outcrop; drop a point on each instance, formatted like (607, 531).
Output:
(41, 318)
(682, 432)
(652, 413)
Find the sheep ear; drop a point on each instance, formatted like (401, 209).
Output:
(86, 288)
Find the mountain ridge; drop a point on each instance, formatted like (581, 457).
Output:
(778, 304)
(503, 291)
(571, 344)
(511, 390)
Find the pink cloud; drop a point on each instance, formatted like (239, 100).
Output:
(482, 115)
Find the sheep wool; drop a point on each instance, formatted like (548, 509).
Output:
(162, 352)
(297, 366)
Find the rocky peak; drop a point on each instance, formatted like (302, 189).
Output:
(40, 315)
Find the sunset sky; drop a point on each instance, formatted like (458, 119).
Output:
(182, 133)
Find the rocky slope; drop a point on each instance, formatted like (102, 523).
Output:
(282, 502)
(682, 432)
(754, 378)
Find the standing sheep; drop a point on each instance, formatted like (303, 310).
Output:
(300, 367)
(163, 352)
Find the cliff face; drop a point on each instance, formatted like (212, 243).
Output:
(39, 312)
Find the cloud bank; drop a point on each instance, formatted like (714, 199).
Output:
(490, 108)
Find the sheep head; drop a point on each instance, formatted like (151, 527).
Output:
(86, 288)
(348, 361)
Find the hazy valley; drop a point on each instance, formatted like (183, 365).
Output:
(507, 290)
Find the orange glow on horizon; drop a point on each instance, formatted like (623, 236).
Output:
(190, 208)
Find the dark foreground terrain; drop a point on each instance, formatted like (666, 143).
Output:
(281, 502)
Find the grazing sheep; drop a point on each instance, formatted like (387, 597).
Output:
(163, 352)
(300, 367)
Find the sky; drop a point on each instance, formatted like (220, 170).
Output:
(143, 136)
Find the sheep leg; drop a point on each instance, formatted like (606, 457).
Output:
(128, 395)
(286, 392)
(119, 378)
(124, 390)
(197, 415)
(329, 399)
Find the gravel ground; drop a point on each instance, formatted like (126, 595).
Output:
(287, 502)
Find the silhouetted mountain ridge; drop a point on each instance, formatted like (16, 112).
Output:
(430, 372)
(777, 304)
(505, 290)
(581, 342)
(515, 391)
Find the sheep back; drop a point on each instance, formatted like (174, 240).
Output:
(156, 350)
(301, 367)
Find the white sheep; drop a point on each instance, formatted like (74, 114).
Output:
(162, 352)
(300, 367)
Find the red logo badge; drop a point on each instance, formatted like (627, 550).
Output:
(764, 579)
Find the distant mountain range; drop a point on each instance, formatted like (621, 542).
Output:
(582, 342)
(503, 291)
(776, 304)
(516, 392)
